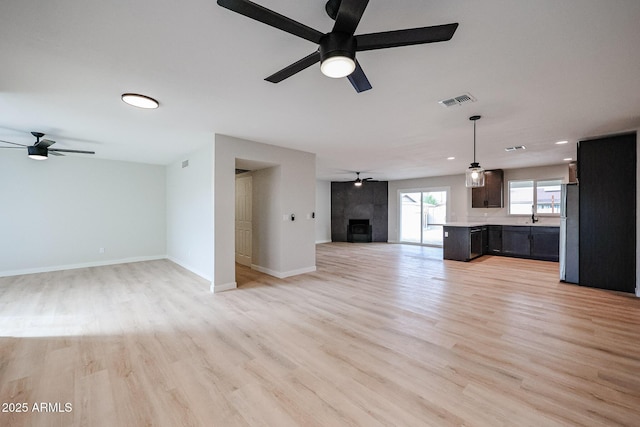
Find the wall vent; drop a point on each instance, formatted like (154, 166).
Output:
(518, 147)
(457, 100)
(185, 163)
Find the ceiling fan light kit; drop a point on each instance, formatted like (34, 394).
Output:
(475, 173)
(37, 153)
(337, 55)
(337, 49)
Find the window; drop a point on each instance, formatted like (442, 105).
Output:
(541, 197)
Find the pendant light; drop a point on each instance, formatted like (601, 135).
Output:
(475, 173)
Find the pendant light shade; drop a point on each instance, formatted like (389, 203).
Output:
(475, 173)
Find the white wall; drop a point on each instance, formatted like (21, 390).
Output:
(267, 221)
(295, 253)
(459, 203)
(323, 211)
(189, 210)
(57, 214)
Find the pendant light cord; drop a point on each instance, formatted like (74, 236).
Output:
(474, 141)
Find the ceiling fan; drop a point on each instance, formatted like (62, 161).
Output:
(358, 181)
(337, 49)
(40, 149)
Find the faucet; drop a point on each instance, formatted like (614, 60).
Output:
(533, 215)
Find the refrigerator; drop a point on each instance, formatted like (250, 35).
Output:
(570, 234)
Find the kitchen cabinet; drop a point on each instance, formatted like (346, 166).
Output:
(462, 243)
(494, 240)
(545, 243)
(492, 194)
(516, 240)
(607, 228)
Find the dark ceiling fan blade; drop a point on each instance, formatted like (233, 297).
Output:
(294, 68)
(359, 80)
(349, 15)
(16, 148)
(269, 17)
(54, 152)
(71, 151)
(13, 143)
(44, 143)
(411, 36)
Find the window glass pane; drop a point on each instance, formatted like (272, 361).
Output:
(434, 213)
(520, 197)
(548, 196)
(410, 220)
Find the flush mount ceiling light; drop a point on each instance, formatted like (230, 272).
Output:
(475, 173)
(562, 142)
(451, 158)
(140, 101)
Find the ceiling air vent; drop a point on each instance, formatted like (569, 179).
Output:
(518, 147)
(457, 100)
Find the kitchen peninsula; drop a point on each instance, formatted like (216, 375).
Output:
(464, 241)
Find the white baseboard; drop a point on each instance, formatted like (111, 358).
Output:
(318, 242)
(190, 268)
(283, 274)
(80, 265)
(224, 287)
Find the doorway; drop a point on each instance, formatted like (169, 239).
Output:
(422, 215)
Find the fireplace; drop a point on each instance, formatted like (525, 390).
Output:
(359, 230)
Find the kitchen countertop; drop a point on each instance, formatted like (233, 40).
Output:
(480, 224)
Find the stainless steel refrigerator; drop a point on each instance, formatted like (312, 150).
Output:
(570, 234)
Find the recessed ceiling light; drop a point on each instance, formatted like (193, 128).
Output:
(562, 142)
(140, 101)
(568, 159)
(451, 158)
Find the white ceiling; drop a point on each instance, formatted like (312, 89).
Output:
(541, 71)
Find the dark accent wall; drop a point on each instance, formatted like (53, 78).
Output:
(370, 201)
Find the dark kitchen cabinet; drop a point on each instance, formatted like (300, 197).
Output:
(494, 237)
(521, 241)
(492, 194)
(607, 229)
(545, 243)
(462, 243)
(516, 240)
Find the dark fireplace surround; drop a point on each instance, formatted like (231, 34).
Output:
(359, 231)
(368, 202)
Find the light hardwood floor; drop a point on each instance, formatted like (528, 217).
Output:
(381, 334)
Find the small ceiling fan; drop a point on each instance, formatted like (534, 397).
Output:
(358, 181)
(337, 49)
(40, 149)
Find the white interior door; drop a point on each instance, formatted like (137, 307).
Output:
(243, 220)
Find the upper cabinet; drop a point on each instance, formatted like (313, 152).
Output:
(573, 173)
(492, 194)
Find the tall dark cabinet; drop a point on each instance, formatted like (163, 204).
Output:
(492, 194)
(607, 187)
